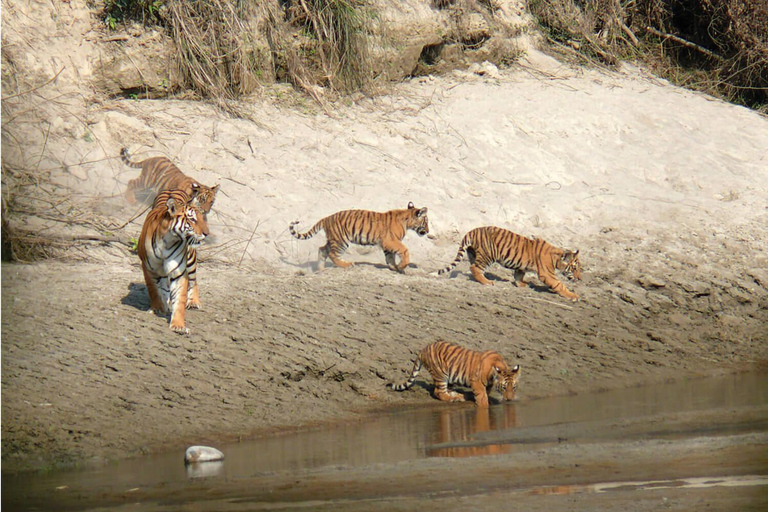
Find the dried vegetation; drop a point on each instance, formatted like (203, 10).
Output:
(717, 46)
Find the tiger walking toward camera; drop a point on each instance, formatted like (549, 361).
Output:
(159, 174)
(172, 230)
(364, 227)
(451, 364)
(487, 245)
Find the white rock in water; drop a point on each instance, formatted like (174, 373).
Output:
(202, 454)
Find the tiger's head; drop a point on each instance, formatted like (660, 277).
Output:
(569, 264)
(505, 381)
(188, 221)
(417, 220)
(203, 197)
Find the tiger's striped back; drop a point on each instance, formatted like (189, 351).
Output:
(490, 244)
(159, 174)
(364, 227)
(452, 364)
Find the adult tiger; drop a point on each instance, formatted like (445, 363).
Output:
(171, 231)
(158, 174)
(364, 227)
(490, 244)
(451, 364)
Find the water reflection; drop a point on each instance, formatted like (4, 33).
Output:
(457, 429)
(433, 430)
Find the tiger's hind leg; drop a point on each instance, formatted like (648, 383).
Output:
(520, 278)
(477, 273)
(335, 252)
(390, 258)
(477, 266)
(322, 254)
(443, 393)
(393, 248)
(130, 191)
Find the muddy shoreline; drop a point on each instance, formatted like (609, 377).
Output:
(89, 375)
(681, 459)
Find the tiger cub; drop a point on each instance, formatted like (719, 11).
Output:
(451, 364)
(364, 227)
(171, 231)
(490, 244)
(158, 174)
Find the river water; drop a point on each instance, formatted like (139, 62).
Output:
(433, 430)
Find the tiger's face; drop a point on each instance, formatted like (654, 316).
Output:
(189, 222)
(505, 382)
(418, 220)
(570, 265)
(203, 197)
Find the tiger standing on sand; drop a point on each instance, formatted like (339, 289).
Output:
(490, 244)
(451, 364)
(172, 230)
(159, 174)
(364, 227)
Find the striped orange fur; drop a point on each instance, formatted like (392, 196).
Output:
(487, 245)
(451, 364)
(364, 227)
(159, 174)
(172, 230)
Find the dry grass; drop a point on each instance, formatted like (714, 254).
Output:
(226, 48)
(718, 47)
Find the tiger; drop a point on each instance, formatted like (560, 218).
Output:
(364, 227)
(158, 174)
(452, 364)
(172, 230)
(490, 244)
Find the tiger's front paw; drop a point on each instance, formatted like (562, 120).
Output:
(194, 305)
(179, 329)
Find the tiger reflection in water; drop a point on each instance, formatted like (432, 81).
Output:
(457, 426)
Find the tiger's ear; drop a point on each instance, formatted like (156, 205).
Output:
(576, 253)
(195, 190)
(516, 368)
(172, 206)
(215, 189)
(411, 206)
(422, 212)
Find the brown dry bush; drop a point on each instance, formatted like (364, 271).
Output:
(718, 46)
(226, 48)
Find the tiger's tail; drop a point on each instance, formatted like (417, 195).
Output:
(126, 156)
(407, 384)
(307, 235)
(465, 242)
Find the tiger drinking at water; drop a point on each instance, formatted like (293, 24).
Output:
(451, 364)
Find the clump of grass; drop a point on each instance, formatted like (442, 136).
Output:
(718, 47)
(226, 48)
(216, 49)
(117, 11)
(322, 42)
